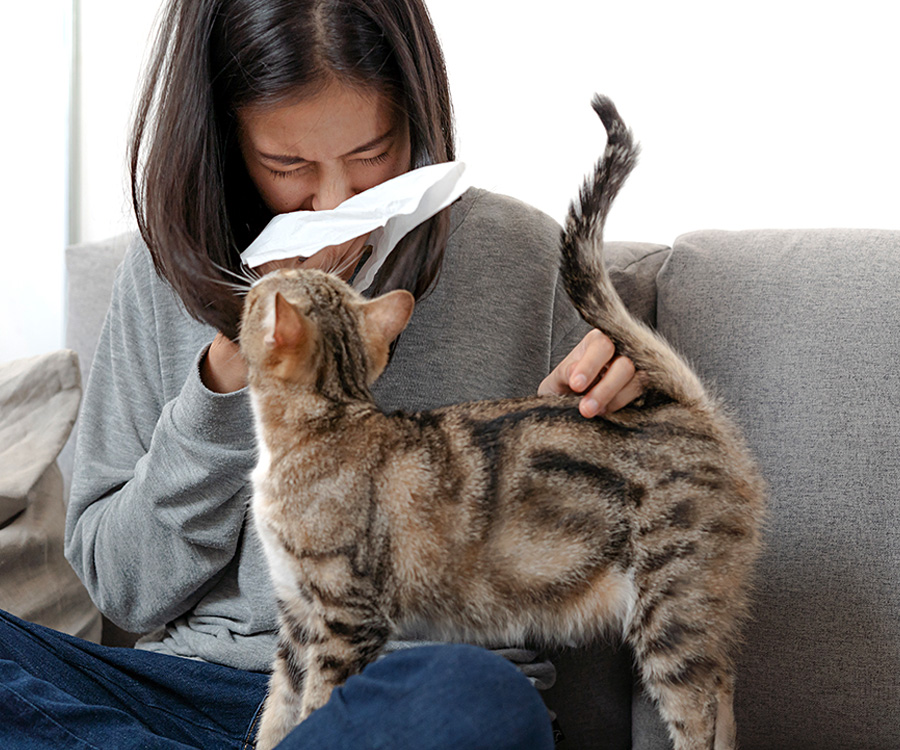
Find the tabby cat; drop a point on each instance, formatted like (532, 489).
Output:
(499, 521)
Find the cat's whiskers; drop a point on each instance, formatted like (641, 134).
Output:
(342, 265)
(245, 279)
(238, 289)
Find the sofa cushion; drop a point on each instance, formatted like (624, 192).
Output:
(798, 331)
(90, 270)
(39, 399)
(593, 692)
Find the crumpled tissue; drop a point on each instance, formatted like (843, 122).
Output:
(387, 211)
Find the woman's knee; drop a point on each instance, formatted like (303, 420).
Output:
(466, 696)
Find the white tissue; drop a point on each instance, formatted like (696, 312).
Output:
(388, 211)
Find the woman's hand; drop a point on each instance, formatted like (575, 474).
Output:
(223, 369)
(592, 368)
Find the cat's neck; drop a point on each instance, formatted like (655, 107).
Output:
(297, 407)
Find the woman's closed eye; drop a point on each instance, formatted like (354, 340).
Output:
(371, 161)
(281, 174)
(374, 160)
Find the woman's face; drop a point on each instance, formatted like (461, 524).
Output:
(316, 153)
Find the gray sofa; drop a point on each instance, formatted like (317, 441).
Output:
(800, 332)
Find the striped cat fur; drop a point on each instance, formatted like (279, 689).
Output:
(497, 522)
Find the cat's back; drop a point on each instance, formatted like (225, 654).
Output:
(645, 456)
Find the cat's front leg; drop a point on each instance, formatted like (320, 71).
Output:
(352, 641)
(321, 680)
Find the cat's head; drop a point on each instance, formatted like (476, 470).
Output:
(308, 327)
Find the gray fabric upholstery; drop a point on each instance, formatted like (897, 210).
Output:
(40, 397)
(633, 267)
(592, 695)
(90, 268)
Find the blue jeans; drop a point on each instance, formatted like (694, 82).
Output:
(57, 691)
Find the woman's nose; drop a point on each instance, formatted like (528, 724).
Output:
(331, 193)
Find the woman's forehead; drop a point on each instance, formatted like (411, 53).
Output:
(335, 122)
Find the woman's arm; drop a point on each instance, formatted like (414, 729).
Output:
(159, 494)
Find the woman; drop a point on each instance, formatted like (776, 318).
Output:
(252, 108)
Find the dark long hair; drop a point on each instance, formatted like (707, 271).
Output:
(195, 204)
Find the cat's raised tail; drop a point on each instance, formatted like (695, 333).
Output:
(587, 281)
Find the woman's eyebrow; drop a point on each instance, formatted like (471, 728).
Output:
(374, 143)
(288, 160)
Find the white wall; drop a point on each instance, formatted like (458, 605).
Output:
(114, 42)
(771, 113)
(34, 177)
(764, 114)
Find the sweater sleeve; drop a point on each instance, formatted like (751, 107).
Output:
(159, 491)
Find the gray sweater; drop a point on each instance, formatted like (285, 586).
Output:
(157, 524)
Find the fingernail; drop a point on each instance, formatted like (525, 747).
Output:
(589, 407)
(579, 382)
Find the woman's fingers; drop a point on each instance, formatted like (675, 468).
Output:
(618, 387)
(597, 352)
(592, 368)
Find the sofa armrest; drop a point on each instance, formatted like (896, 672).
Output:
(39, 399)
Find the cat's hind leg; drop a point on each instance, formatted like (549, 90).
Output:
(694, 690)
(699, 714)
(684, 641)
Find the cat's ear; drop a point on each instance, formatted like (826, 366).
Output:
(389, 314)
(285, 326)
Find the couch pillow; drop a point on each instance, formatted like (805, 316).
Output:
(592, 694)
(798, 331)
(39, 399)
(633, 268)
(90, 270)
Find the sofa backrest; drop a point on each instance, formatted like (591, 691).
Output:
(90, 270)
